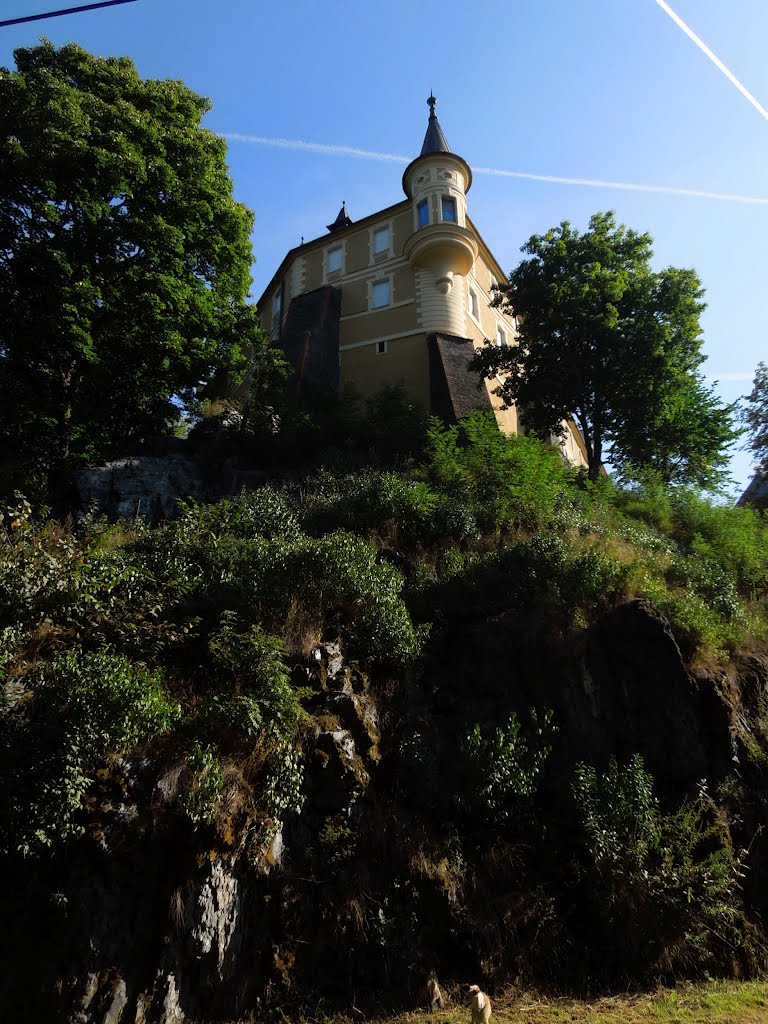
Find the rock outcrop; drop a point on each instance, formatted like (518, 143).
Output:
(149, 921)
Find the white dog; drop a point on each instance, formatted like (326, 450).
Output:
(479, 1003)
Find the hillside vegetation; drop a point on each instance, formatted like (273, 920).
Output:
(390, 703)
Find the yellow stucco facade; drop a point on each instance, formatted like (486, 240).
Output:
(409, 273)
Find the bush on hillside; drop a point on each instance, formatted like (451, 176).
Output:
(663, 891)
(515, 481)
(56, 724)
(504, 763)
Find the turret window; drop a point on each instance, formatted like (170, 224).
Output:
(423, 212)
(449, 209)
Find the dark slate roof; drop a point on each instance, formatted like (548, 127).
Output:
(342, 221)
(756, 493)
(453, 387)
(434, 140)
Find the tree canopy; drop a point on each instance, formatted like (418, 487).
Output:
(124, 259)
(605, 340)
(756, 418)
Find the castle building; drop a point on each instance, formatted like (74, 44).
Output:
(403, 296)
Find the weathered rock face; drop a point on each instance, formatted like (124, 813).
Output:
(145, 486)
(620, 688)
(148, 921)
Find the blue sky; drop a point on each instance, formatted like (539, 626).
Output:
(597, 89)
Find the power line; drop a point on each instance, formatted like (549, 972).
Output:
(65, 10)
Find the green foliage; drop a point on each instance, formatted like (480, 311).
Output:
(664, 889)
(512, 480)
(736, 539)
(58, 722)
(606, 340)
(544, 570)
(264, 699)
(619, 813)
(127, 261)
(265, 512)
(755, 418)
(505, 762)
(203, 785)
(338, 578)
(283, 790)
(368, 500)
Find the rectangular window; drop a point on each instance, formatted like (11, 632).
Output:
(277, 306)
(494, 284)
(449, 209)
(423, 211)
(334, 259)
(381, 348)
(474, 305)
(380, 241)
(501, 336)
(380, 292)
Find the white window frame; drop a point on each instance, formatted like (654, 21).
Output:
(473, 293)
(501, 335)
(377, 254)
(333, 249)
(381, 348)
(493, 285)
(371, 285)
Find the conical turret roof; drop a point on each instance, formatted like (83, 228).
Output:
(434, 140)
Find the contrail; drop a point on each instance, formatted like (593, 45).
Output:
(713, 57)
(369, 154)
(627, 186)
(316, 147)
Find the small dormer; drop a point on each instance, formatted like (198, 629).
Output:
(343, 220)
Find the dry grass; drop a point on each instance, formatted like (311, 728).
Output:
(714, 1002)
(711, 1003)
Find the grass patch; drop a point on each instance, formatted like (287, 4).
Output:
(713, 1002)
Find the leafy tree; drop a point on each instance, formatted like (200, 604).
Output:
(605, 340)
(756, 418)
(124, 259)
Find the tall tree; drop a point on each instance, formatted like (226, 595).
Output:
(755, 415)
(124, 259)
(608, 342)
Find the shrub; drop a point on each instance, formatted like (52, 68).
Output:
(203, 784)
(543, 569)
(505, 762)
(366, 501)
(736, 539)
(259, 697)
(663, 890)
(58, 722)
(515, 480)
(265, 512)
(339, 578)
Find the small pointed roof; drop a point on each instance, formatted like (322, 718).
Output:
(434, 140)
(342, 221)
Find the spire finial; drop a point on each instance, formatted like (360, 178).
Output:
(431, 104)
